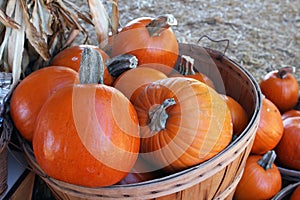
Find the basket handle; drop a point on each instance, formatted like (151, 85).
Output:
(213, 40)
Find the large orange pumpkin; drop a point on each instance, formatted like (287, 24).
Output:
(87, 134)
(183, 123)
(270, 128)
(71, 57)
(33, 91)
(151, 40)
(288, 149)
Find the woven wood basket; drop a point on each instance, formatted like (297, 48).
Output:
(215, 179)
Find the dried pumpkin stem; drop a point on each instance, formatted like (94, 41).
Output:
(267, 160)
(160, 23)
(186, 66)
(91, 67)
(158, 116)
(285, 70)
(119, 64)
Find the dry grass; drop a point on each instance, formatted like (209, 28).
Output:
(262, 34)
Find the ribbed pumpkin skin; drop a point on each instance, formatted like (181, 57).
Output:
(87, 135)
(71, 57)
(33, 91)
(296, 194)
(135, 39)
(256, 182)
(198, 126)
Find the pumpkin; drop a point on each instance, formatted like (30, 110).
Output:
(71, 57)
(261, 178)
(142, 171)
(270, 128)
(281, 87)
(186, 68)
(296, 194)
(183, 123)
(290, 113)
(33, 91)
(288, 149)
(87, 134)
(151, 40)
(133, 81)
(239, 116)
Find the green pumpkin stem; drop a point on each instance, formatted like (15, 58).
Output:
(267, 160)
(91, 69)
(158, 116)
(119, 64)
(285, 70)
(186, 66)
(161, 23)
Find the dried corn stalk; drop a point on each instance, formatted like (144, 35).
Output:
(32, 31)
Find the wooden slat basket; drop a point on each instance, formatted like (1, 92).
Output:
(216, 178)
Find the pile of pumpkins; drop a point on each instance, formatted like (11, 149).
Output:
(277, 139)
(139, 110)
(126, 114)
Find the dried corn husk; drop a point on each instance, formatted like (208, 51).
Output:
(32, 31)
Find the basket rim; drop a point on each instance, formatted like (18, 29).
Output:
(244, 138)
(285, 191)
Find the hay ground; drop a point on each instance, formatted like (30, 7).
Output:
(263, 35)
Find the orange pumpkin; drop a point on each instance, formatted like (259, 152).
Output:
(290, 113)
(151, 40)
(270, 128)
(281, 87)
(261, 178)
(33, 91)
(87, 134)
(71, 57)
(133, 81)
(183, 123)
(288, 149)
(239, 116)
(296, 194)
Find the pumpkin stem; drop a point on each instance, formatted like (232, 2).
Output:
(158, 116)
(119, 64)
(91, 68)
(160, 23)
(267, 160)
(186, 66)
(285, 70)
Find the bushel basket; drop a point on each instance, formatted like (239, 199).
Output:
(216, 178)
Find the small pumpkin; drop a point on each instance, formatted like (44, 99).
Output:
(290, 113)
(87, 134)
(288, 149)
(281, 87)
(71, 57)
(296, 194)
(133, 81)
(183, 123)
(239, 116)
(33, 91)
(186, 68)
(261, 178)
(270, 128)
(151, 40)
